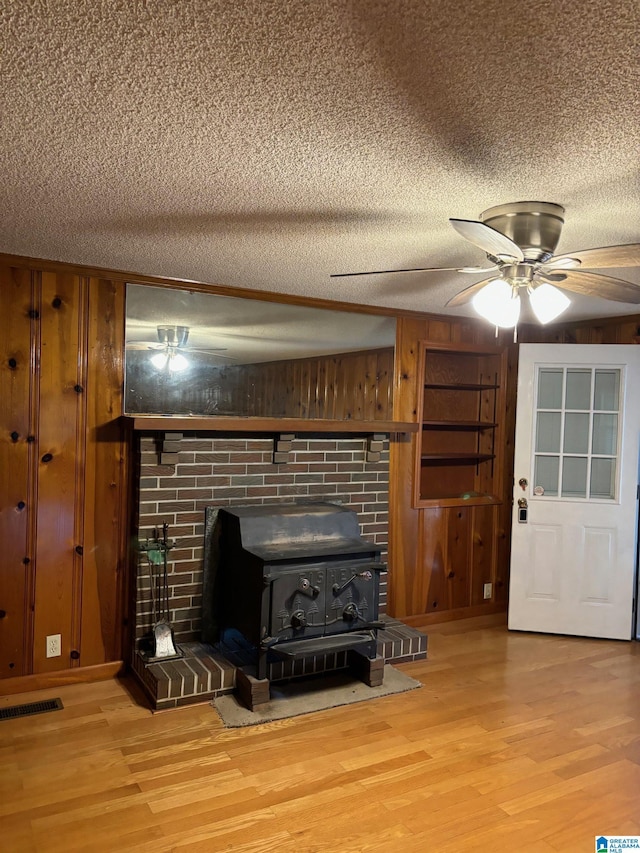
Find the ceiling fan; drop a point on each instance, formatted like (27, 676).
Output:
(171, 346)
(519, 240)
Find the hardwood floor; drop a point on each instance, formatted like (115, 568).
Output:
(516, 742)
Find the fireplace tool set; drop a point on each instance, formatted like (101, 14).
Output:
(156, 550)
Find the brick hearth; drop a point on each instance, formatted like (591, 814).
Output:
(204, 673)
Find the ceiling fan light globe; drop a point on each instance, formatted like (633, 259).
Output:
(498, 303)
(159, 360)
(177, 363)
(548, 302)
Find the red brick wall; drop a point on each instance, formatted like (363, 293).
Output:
(228, 470)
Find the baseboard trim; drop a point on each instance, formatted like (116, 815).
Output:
(420, 620)
(47, 680)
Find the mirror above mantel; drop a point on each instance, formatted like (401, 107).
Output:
(212, 358)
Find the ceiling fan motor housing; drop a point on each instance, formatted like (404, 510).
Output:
(534, 226)
(173, 335)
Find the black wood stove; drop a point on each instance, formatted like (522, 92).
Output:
(297, 580)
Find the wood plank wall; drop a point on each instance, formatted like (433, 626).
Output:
(65, 477)
(63, 462)
(441, 557)
(342, 386)
(350, 385)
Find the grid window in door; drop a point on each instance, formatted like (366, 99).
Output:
(577, 422)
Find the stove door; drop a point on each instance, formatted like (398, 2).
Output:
(298, 604)
(352, 596)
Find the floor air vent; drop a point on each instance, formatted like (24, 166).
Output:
(30, 709)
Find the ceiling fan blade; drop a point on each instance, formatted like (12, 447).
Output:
(468, 293)
(384, 272)
(471, 270)
(551, 276)
(215, 353)
(143, 345)
(488, 239)
(602, 286)
(627, 255)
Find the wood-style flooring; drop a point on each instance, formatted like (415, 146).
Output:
(516, 742)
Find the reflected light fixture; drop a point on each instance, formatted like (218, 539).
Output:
(171, 360)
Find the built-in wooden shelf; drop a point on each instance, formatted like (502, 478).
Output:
(222, 423)
(460, 412)
(470, 425)
(457, 458)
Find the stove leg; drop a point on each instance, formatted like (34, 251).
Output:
(369, 670)
(253, 692)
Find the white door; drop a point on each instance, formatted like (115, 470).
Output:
(573, 552)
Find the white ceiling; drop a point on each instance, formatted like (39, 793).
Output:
(268, 143)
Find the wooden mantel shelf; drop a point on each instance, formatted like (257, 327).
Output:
(215, 423)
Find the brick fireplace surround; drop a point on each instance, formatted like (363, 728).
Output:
(181, 474)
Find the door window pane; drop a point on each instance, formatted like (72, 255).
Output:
(603, 478)
(574, 476)
(550, 388)
(577, 421)
(546, 474)
(578, 392)
(606, 390)
(605, 434)
(548, 432)
(576, 432)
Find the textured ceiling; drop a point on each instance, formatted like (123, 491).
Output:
(265, 144)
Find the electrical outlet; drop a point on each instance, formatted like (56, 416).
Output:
(54, 645)
(488, 590)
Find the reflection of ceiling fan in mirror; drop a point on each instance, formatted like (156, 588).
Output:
(519, 240)
(171, 346)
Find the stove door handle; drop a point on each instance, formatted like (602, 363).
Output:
(365, 574)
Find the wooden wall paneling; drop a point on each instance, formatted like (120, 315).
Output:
(458, 551)
(306, 393)
(628, 332)
(17, 499)
(105, 496)
(57, 477)
(384, 385)
(322, 390)
(263, 390)
(330, 387)
(297, 391)
(370, 387)
(341, 407)
(483, 546)
(314, 367)
(404, 520)
(430, 591)
(464, 332)
(80, 468)
(506, 437)
(356, 380)
(439, 331)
